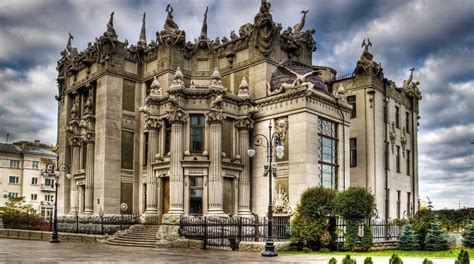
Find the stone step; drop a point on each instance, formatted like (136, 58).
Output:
(131, 244)
(137, 236)
(134, 241)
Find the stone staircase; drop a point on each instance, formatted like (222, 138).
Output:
(136, 236)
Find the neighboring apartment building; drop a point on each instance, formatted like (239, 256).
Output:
(21, 174)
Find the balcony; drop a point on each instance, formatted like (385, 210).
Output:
(47, 203)
(47, 188)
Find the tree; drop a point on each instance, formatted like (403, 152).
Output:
(435, 238)
(332, 261)
(427, 261)
(421, 224)
(463, 257)
(313, 224)
(407, 240)
(367, 239)
(15, 206)
(395, 259)
(468, 236)
(354, 205)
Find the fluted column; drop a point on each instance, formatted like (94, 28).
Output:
(75, 142)
(89, 181)
(215, 182)
(152, 187)
(244, 125)
(177, 119)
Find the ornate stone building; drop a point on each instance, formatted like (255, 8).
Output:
(164, 126)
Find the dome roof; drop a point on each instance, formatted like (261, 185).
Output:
(280, 75)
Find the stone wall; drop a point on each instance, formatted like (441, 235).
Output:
(46, 236)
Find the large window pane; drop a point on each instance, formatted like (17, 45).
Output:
(327, 154)
(197, 133)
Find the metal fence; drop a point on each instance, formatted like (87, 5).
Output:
(382, 230)
(227, 233)
(72, 224)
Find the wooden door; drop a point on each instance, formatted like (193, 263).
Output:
(166, 195)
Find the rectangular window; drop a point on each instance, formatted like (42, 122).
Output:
(13, 195)
(408, 163)
(353, 153)
(49, 198)
(35, 164)
(352, 101)
(145, 148)
(327, 155)
(49, 182)
(127, 150)
(14, 164)
(397, 116)
(409, 204)
(167, 137)
(34, 197)
(34, 181)
(128, 96)
(195, 195)
(228, 137)
(398, 204)
(13, 180)
(398, 159)
(407, 121)
(197, 133)
(84, 155)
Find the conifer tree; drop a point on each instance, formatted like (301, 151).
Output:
(407, 240)
(463, 257)
(435, 238)
(468, 236)
(368, 260)
(395, 259)
(332, 261)
(427, 261)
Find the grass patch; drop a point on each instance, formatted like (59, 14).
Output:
(453, 253)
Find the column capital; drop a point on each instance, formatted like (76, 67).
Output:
(215, 116)
(89, 137)
(177, 116)
(153, 123)
(75, 141)
(245, 123)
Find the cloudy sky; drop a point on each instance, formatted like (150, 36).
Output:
(436, 37)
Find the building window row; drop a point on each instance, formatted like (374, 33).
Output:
(35, 164)
(33, 197)
(14, 164)
(353, 152)
(14, 180)
(327, 153)
(34, 180)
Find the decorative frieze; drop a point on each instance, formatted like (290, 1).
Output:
(178, 116)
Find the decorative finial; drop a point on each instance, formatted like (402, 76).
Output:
(243, 88)
(178, 78)
(216, 78)
(142, 38)
(155, 89)
(366, 45)
(110, 27)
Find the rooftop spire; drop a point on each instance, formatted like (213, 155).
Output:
(204, 26)
(142, 38)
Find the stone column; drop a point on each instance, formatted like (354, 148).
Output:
(89, 181)
(177, 119)
(215, 182)
(244, 125)
(75, 142)
(152, 187)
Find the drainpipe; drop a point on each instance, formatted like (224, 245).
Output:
(386, 151)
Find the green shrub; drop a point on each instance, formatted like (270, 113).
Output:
(354, 204)
(332, 261)
(348, 260)
(427, 261)
(367, 239)
(368, 260)
(435, 238)
(313, 224)
(395, 259)
(463, 257)
(351, 237)
(468, 236)
(407, 240)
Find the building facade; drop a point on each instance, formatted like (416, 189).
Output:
(21, 174)
(163, 128)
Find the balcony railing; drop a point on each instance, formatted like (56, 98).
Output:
(46, 187)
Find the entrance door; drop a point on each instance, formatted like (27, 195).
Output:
(166, 195)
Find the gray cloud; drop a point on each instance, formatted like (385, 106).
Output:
(436, 37)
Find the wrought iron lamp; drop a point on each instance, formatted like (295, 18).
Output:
(270, 170)
(55, 170)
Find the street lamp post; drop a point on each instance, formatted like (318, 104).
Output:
(258, 140)
(63, 167)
